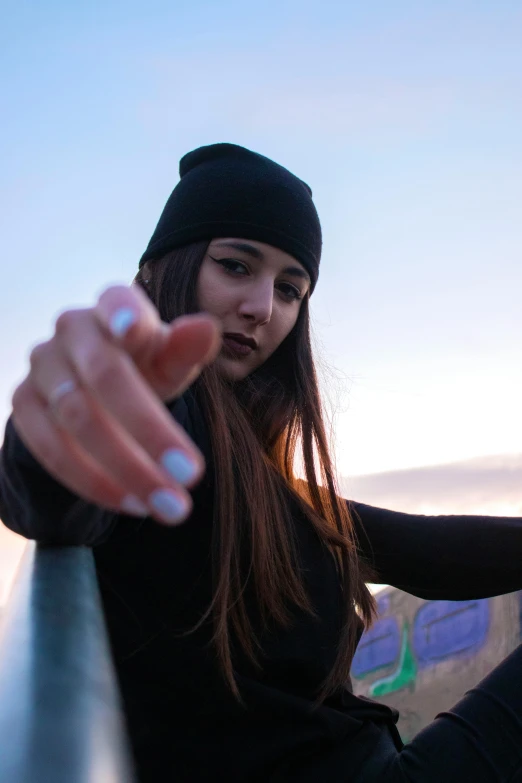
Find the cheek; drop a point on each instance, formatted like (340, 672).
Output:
(211, 291)
(281, 326)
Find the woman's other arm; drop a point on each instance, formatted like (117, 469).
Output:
(441, 557)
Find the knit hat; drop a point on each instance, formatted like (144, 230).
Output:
(228, 191)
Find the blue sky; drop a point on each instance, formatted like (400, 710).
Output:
(405, 118)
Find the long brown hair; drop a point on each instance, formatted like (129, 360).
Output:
(256, 433)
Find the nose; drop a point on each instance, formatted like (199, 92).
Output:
(256, 305)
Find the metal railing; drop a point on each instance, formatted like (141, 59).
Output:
(61, 718)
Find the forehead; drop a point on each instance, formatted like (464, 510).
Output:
(259, 250)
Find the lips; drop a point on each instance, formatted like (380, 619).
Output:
(237, 345)
(241, 339)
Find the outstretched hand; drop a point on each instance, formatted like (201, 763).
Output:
(91, 407)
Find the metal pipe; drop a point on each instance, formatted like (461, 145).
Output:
(61, 717)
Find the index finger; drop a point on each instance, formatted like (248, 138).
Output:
(130, 318)
(169, 356)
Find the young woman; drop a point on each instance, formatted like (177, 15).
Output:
(186, 398)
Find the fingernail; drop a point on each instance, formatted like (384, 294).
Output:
(178, 465)
(133, 505)
(121, 321)
(167, 505)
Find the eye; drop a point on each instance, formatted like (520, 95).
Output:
(290, 291)
(231, 265)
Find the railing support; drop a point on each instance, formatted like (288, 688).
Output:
(61, 718)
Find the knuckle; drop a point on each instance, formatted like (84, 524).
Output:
(115, 293)
(125, 296)
(65, 320)
(38, 354)
(71, 319)
(74, 412)
(19, 396)
(98, 368)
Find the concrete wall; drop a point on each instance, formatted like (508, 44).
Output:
(422, 656)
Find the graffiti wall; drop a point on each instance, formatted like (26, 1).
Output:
(422, 656)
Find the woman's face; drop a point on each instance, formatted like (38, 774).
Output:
(255, 291)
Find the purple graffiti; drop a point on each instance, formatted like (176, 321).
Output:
(383, 604)
(449, 629)
(379, 647)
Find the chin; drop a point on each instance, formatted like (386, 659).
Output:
(232, 369)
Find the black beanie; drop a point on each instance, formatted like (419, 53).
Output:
(228, 191)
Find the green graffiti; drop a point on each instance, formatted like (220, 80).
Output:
(404, 674)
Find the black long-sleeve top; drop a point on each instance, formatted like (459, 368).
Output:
(156, 582)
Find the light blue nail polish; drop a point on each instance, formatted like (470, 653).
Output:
(178, 465)
(167, 505)
(122, 320)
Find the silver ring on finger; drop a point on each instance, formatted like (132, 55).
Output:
(59, 392)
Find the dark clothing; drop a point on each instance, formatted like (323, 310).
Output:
(184, 723)
(478, 741)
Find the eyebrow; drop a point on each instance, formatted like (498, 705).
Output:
(244, 247)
